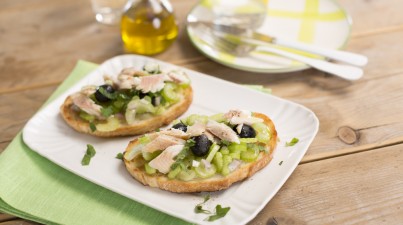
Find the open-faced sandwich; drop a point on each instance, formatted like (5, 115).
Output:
(201, 153)
(137, 101)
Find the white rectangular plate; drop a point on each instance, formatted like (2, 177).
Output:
(47, 134)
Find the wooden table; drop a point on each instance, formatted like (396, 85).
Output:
(353, 171)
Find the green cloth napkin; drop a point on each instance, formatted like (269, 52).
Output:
(36, 189)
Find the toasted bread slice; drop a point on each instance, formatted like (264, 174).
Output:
(143, 126)
(218, 182)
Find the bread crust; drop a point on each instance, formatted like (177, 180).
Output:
(136, 169)
(73, 120)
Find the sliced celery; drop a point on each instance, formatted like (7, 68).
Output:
(248, 140)
(148, 156)
(224, 150)
(147, 98)
(262, 132)
(219, 117)
(192, 119)
(234, 147)
(250, 155)
(145, 106)
(149, 169)
(218, 161)
(203, 172)
(235, 155)
(87, 117)
(186, 175)
(111, 124)
(256, 146)
(144, 139)
(226, 161)
(173, 173)
(118, 105)
(169, 93)
(212, 151)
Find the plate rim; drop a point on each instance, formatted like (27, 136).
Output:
(257, 70)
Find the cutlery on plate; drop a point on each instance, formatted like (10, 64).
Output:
(263, 39)
(243, 47)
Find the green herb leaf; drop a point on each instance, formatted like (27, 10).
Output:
(292, 142)
(88, 155)
(119, 156)
(183, 154)
(206, 198)
(106, 112)
(190, 143)
(219, 213)
(280, 163)
(199, 207)
(93, 127)
(111, 96)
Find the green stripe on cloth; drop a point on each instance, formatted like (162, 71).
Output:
(36, 189)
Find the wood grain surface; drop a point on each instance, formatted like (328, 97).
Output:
(351, 174)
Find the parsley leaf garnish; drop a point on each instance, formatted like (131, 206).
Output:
(219, 213)
(93, 127)
(119, 156)
(88, 155)
(292, 142)
(183, 154)
(199, 207)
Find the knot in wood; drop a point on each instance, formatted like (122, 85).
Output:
(348, 135)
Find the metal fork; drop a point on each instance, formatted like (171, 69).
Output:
(243, 48)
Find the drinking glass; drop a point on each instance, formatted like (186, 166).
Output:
(108, 11)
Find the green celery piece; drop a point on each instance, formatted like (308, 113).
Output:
(169, 93)
(173, 173)
(202, 172)
(235, 155)
(248, 140)
(218, 161)
(85, 116)
(250, 155)
(212, 151)
(186, 175)
(226, 161)
(148, 156)
(149, 169)
(292, 142)
(107, 111)
(234, 147)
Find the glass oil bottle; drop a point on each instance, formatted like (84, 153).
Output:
(148, 26)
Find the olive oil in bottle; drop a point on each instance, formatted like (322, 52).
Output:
(148, 27)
